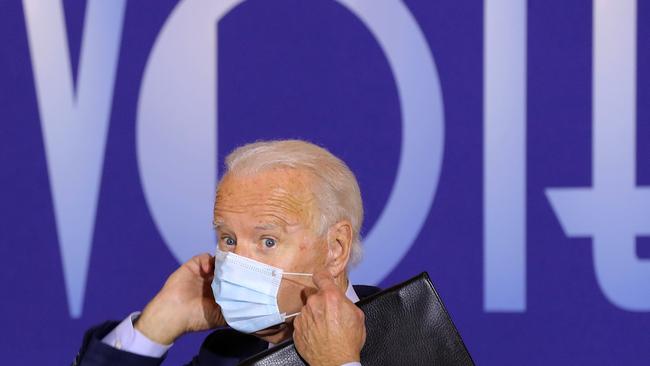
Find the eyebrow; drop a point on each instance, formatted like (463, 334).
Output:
(269, 226)
(266, 226)
(217, 223)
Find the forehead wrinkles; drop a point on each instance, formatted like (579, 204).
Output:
(283, 198)
(281, 201)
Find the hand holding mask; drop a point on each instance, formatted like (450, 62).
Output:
(184, 304)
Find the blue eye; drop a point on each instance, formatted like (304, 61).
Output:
(230, 241)
(270, 243)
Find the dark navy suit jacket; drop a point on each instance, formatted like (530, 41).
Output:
(223, 347)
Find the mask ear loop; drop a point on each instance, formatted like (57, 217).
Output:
(295, 274)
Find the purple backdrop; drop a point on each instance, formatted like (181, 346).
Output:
(312, 70)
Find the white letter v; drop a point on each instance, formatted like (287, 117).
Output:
(74, 122)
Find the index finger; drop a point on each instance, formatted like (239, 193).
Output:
(206, 263)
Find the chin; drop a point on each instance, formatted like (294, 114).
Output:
(276, 333)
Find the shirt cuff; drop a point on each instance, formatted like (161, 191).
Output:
(352, 364)
(126, 338)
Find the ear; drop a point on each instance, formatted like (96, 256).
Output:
(339, 241)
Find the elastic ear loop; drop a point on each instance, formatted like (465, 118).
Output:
(295, 274)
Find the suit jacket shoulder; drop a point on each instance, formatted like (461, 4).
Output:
(94, 352)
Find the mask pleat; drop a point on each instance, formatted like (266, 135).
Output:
(242, 295)
(235, 291)
(251, 325)
(255, 281)
(237, 312)
(246, 291)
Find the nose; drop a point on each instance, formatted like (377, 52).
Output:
(245, 250)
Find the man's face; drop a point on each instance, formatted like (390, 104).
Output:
(269, 217)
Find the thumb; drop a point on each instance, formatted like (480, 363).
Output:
(324, 280)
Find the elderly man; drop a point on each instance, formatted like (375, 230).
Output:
(287, 215)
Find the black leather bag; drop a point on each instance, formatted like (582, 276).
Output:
(406, 324)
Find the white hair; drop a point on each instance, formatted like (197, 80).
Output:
(335, 186)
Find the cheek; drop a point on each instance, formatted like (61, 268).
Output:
(314, 255)
(290, 296)
(303, 251)
(301, 257)
(309, 257)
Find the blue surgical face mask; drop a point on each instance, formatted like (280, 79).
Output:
(247, 292)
